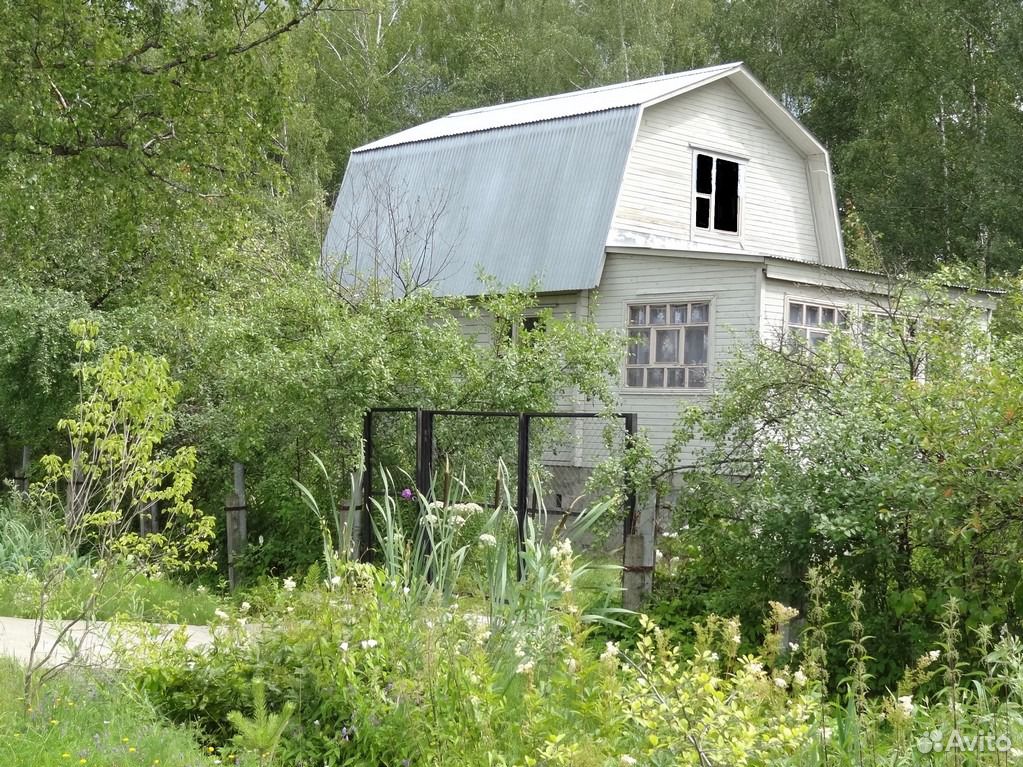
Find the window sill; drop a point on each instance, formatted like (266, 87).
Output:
(662, 392)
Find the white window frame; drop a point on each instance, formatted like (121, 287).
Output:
(710, 231)
(676, 299)
(805, 331)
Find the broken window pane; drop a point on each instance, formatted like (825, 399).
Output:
(726, 196)
(667, 346)
(703, 212)
(704, 164)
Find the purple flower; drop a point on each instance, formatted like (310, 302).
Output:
(406, 494)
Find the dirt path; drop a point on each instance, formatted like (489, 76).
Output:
(94, 639)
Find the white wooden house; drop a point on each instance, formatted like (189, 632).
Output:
(694, 208)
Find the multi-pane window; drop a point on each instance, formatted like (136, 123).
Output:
(668, 345)
(717, 194)
(813, 323)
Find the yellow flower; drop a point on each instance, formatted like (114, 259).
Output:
(66, 755)
(82, 761)
(131, 749)
(54, 721)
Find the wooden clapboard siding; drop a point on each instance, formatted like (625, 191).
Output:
(655, 202)
(731, 287)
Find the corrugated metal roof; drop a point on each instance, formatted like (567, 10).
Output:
(616, 96)
(529, 202)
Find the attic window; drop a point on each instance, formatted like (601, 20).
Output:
(716, 199)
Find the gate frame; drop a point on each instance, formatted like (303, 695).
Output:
(424, 462)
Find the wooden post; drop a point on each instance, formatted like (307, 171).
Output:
(74, 510)
(21, 473)
(237, 530)
(638, 578)
(149, 518)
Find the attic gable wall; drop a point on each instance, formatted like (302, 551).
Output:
(655, 203)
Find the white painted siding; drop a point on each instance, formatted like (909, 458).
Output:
(731, 287)
(655, 203)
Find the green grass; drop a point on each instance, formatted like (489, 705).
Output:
(80, 719)
(139, 598)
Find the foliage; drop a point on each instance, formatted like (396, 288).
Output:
(88, 719)
(382, 666)
(888, 451)
(120, 594)
(89, 504)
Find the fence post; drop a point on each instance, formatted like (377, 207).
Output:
(149, 518)
(73, 511)
(638, 537)
(522, 491)
(362, 535)
(21, 473)
(237, 531)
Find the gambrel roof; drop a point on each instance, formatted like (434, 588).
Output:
(523, 192)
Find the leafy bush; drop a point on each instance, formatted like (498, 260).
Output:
(892, 451)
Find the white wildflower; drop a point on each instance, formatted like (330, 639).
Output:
(755, 668)
(658, 555)
(406, 591)
(261, 540)
(369, 644)
(431, 519)
(610, 652)
(289, 584)
(220, 614)
(933, 655)
(488, 540)
(343, 646)
(201, 589)
(627, 761)
(435, 505)
(457, 521)
(572, 665)
(736, 639)
(780, 683)
(799, 678)
(526, 667)
(335, 581)
(793, 646)
(906, 704)
(245, 607)
(289, 609)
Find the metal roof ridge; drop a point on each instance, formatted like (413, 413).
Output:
(371, 147)
(596, 89)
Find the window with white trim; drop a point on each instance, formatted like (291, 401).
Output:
(716, 197)
(668, 346)
(812, 323)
